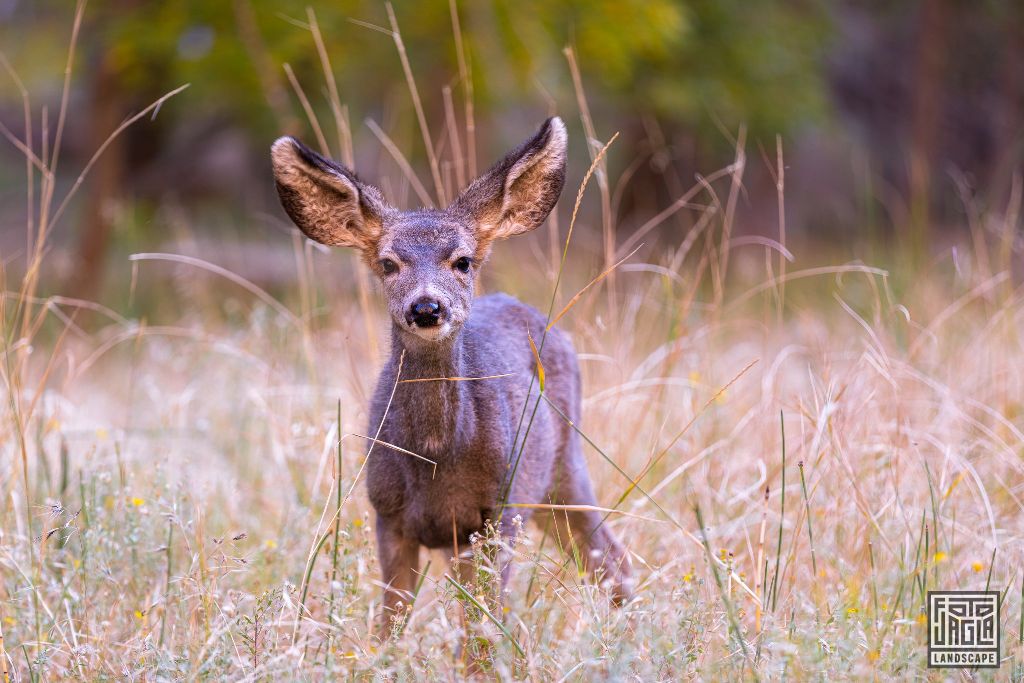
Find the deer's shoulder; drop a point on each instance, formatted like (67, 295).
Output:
(502, 325)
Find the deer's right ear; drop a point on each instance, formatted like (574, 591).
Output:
(324, 199)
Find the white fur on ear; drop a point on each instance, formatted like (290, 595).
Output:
(559, 137)
(282, 150)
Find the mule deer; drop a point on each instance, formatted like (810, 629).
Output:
(428, 262)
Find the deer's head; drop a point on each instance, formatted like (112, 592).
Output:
(427, 260)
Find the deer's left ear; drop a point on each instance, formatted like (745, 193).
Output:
(518, 193)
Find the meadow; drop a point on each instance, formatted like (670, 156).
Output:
(795, 441)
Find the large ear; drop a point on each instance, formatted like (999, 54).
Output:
(325, 199)
(518, 193)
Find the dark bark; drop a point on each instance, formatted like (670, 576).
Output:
(105, 180)
(926, 112)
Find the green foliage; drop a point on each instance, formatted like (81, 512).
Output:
(684, 61)
(741, 62)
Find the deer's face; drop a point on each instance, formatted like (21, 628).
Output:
(428, 260)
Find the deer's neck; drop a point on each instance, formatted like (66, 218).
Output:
(436, 413)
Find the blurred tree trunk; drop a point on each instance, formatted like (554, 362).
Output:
(105, 180)
(1010, 118)
(926, 112)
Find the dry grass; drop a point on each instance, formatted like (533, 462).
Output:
(181, 475)
(176, 492)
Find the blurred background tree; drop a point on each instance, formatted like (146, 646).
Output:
(878, 104)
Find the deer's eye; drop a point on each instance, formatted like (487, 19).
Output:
(388, 266)
(462, 264)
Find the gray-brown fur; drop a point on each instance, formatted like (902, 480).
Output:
(467, 427)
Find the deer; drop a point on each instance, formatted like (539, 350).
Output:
(468, 371)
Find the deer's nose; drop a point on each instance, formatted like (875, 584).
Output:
(424, 312)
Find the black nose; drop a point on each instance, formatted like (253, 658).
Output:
(424, 313)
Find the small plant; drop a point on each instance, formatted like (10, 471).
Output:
(258, 626)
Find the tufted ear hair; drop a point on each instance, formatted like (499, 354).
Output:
(518, 193)
(325, 199)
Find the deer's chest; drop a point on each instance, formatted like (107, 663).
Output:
(470, 443)
(451, 504)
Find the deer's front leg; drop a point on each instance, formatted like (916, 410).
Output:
(399, 561)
